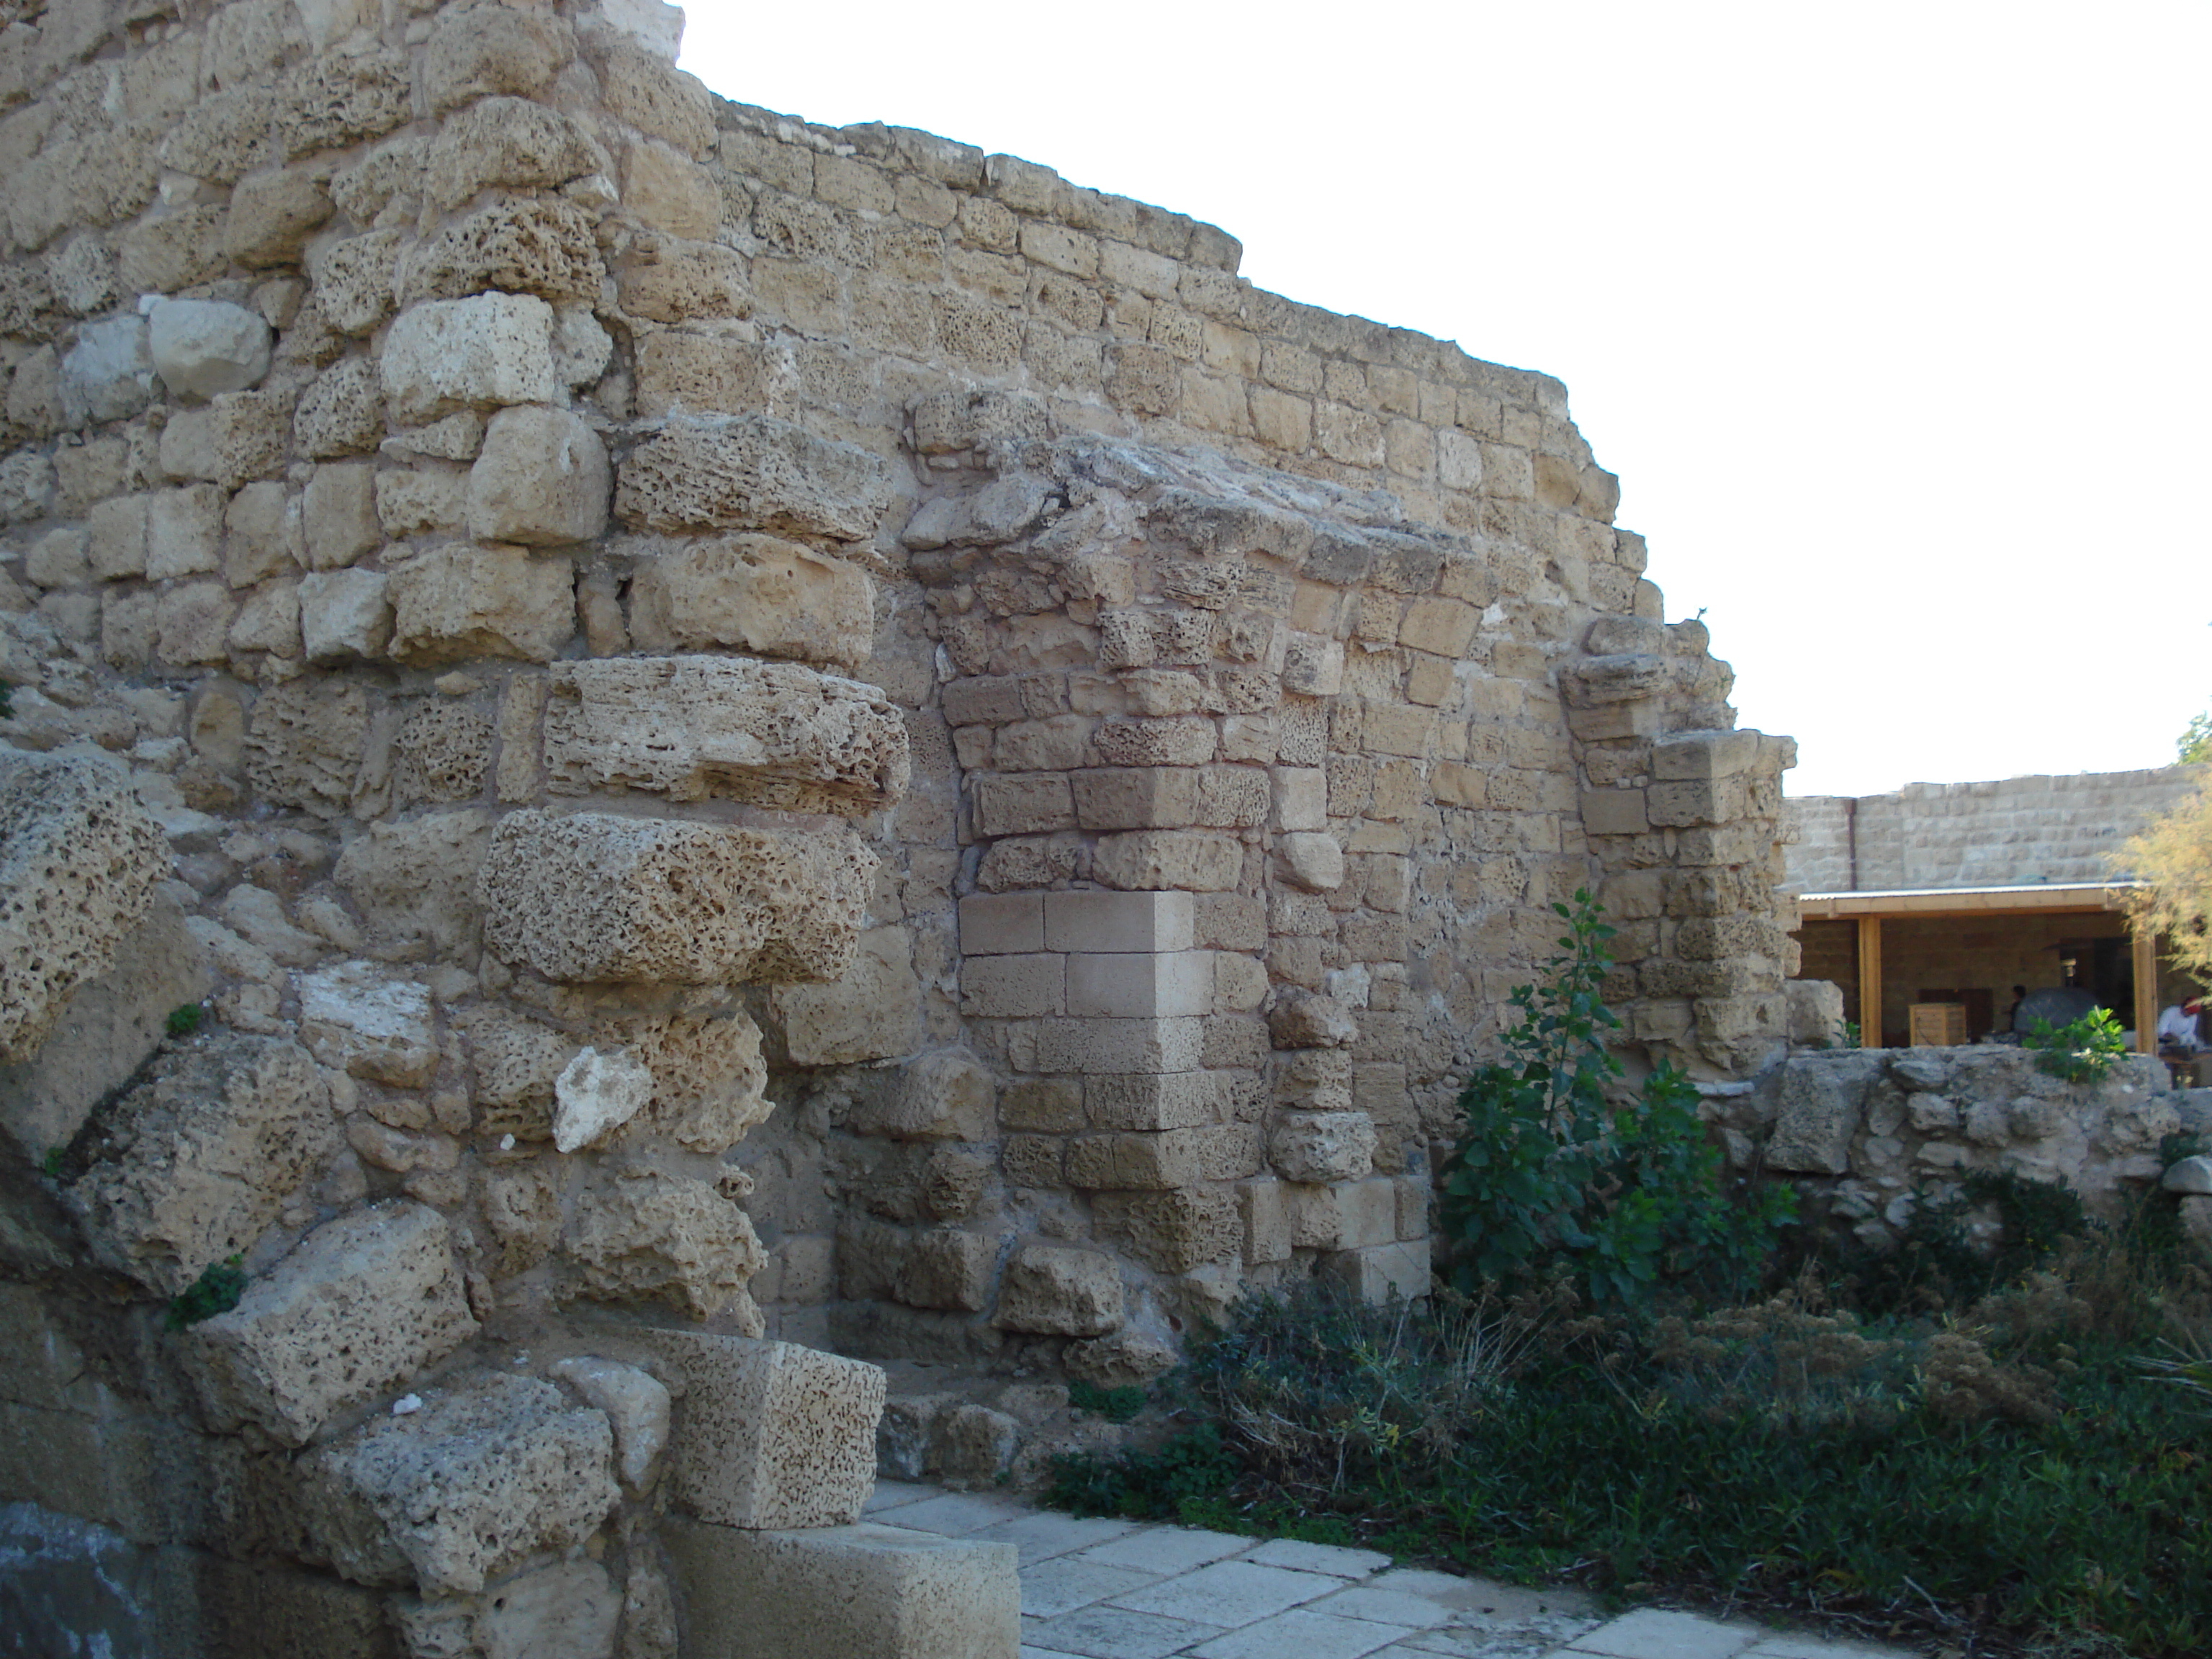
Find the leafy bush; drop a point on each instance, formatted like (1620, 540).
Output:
(216, 1290)
(1552, 1168)
(1115, 1405)
(2080, 1051)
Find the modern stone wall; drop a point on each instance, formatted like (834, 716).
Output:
(571, 615)
(2007, 832)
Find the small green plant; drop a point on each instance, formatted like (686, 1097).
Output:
(2082, 1050)
(1847, 1034)
(7, 708)
(216, 1290)
(1550, 1170)
(52, 1162)
(183, 1022)
(1115, 1405)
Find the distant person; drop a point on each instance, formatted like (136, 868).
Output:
(2012, 1014)
(2178, 1034)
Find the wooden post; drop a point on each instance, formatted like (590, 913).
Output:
(2145, 941)
(1870, 982)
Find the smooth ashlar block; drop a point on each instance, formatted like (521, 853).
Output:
(1119, 921)
(1140, 985)
(881, 1591)
(591, 897)
(769, 1435)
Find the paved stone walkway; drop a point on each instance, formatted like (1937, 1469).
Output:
(1119, 1590)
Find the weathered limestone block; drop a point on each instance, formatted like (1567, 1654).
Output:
(356, 280)
(305, 746)
(670, 280)
(448, 354)
(512, 143)
(484, 49)
(697, 728)
(203, 347)
(343, 413)
(856, 1589)
(753, 473)
(460, 600)
(759, 593)
(591, 897)
(417, 879)
(1378, 1271)
(638, 87)
(1306, 1019)
(939, 1097)
(1311, 859)
(1175, 1231)
(106, 1029)
(1596, 681)
(566, 1611)
(948, 1269)
(493, 1470)
(1058, 1292)
(1819, 1114)
(1816, 1011)
(272, 215)
(649, 1235)
(769, 1434)
(709, 1082)
(596, 1094)
(359, 1306)
(79, 862)
(538, 244)
(359, 1018)
(873, 1011)
(1165, 858)
(542, 478)
(108, 374)
(344, 616)
(636, 1402)
(206, 1151)
(1320, 1147)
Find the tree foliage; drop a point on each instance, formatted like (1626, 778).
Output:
(2171, 856)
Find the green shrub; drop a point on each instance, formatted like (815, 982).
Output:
(185, 1020)
(1555, 1164)
(1115, 1405)
(2082, 1050)
(216, 1290)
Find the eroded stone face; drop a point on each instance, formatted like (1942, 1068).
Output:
(590, 897)
(205, 1153)
(650, 1236)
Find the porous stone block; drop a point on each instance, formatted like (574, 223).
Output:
(1704, 756)
(1307, 1019)
(1155, 860)
(79, 862)
(337, 515)
(567, 1610)
(674, 280)
(769, 1435)
(492, 1470)
(200, 1157)
(651, 1236)
(458, 601)
(480, 51)
(753, 473)
(449, 355)
(542, 478)
(697, 728)
(589, 897)
(506, 141)
(203, 347)
(1057, 1291)
(1076, 920)
(855, 1589)
(1263, 1208)
(272, 215)
(872, 1011)
(938, 1097)
(265, 531)
(540, 244)
(1135, 1162)
(948, 1269)
(1022, 805)
(359, 1306)
(1135, 797)
(1321, 1147)
(1175, 1231)
(1139, 985)
(758, 593)
(108, 374)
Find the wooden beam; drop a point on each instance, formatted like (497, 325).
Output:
(2077, 898)
(1870, 982)
(2146, 948)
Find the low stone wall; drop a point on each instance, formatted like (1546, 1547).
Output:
(1868, 1135)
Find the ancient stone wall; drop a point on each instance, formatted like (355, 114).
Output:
(2007, 832)
(567, 614)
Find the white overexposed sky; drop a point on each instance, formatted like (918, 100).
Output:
(1891, 317)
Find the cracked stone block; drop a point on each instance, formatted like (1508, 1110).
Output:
(591, 897)
(79, 862)
(855, 1589)
(491, 1471)
(360, 1305)
(699, 728)
(1057, 1291)
(753, 473)
(195, 1162)
(651, 1236)
(769, 1434)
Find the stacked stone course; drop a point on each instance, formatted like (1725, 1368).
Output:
(568, 612)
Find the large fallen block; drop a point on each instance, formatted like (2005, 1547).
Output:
(79, 860)
(592, 898)
(697, 728)
(489, 1472)
(769, 1434)
(881, 1591)
(359, 1306)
